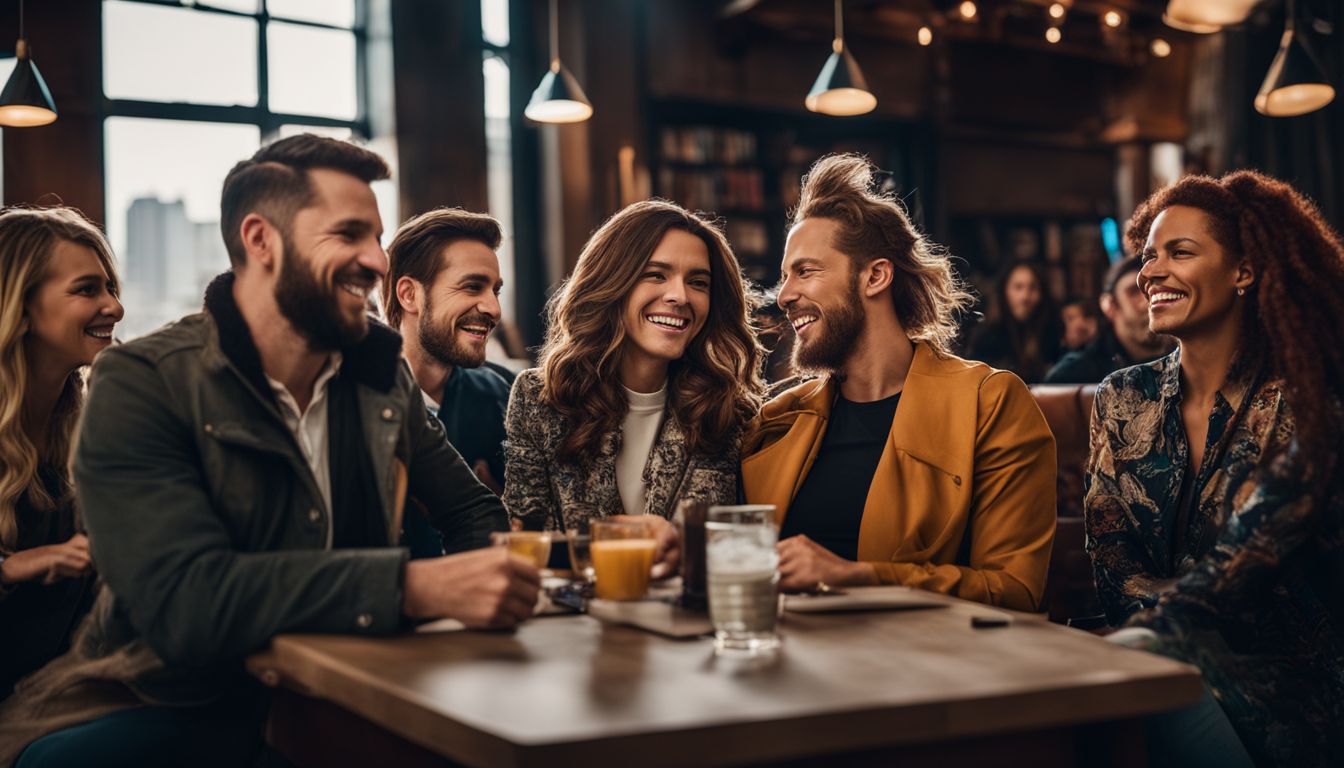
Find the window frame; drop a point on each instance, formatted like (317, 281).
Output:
(260, 115)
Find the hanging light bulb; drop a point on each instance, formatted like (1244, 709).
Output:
(1112, 19)
(1053, 35)
(1057, 10)
(1295, 83)
(1160, 48)
(1206, 16)
(925, 36)
(840, 89)
(25, 102)
(558, 97)
(967, 10)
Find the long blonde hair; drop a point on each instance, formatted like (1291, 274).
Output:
(714, 389)
(27, 238)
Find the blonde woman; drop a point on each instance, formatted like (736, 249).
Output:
(58, 306)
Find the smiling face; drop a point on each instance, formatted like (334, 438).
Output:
(1190, 281)
(820, 294)
(669, 304)
(71, 313)
(1022, 292)
(462, 305)
(332, 260)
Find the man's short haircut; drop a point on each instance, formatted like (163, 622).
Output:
(274, 182)
(416, 251)
(1117, 272)
(925, 290)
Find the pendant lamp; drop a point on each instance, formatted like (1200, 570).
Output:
(840, 88)
(1204, 17)
(25, 102)
(1296, 83)
(558, 98)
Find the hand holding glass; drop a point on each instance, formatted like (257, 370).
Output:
(622, 552)
(533, 546)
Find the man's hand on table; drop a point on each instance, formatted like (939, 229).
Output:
(483, 589)
(806, 566)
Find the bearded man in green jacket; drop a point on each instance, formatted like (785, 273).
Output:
(242, 473)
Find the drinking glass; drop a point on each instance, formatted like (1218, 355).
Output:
(533, 546)
(580, 539)
(622, 553)
(743, 568)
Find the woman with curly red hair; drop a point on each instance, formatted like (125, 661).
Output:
(648, 374)
(1214, 500)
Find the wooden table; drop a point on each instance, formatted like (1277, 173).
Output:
(859, 688)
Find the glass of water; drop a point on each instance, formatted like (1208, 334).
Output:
(743, 568)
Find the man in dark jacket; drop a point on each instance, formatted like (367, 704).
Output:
(442, 292)
(1124, 341)
(242, 473)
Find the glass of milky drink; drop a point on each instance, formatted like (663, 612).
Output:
(622, 554)
(743, 568)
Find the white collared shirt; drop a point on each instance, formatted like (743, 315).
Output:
(310, 428)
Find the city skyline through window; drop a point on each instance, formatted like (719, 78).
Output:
(170, 139)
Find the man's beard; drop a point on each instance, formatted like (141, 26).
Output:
(840, 329)
(312, 308)
(440, 341)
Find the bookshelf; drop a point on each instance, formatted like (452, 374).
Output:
(743, 166)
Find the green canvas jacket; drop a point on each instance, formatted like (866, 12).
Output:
(208, 526)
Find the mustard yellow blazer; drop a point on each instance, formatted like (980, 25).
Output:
(963, 499)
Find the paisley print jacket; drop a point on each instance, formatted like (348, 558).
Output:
(540, 490)
(1246, 582)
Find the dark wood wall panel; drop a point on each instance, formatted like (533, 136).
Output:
(440, 97)
(61, 162)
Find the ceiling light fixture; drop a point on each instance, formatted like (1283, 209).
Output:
(558, 97)
(1160, 48)
(1057, 10)
(1295, 83)
(1205, 17)
(25, 102)
(1112, 19)
(840, 89)
(967, 10)
(925, 36)
(1053, 35)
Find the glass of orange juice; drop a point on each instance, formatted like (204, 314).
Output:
(533, 546)
(622, 552)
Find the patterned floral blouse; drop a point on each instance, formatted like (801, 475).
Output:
(1247, 581)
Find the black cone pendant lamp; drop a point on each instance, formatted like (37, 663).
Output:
(1296, 83)
(840, 88)
(558, 98)
(25, 102)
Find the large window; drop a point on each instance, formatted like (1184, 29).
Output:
(192, 88)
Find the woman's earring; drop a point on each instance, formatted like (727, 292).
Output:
(1241, 291)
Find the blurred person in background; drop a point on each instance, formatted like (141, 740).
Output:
(1023, 332)
(1124, 339)
(59, 300)
(1079, 316)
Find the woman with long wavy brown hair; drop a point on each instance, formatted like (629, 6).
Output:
(58, 304)
(647, 376)
(1215, 506)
